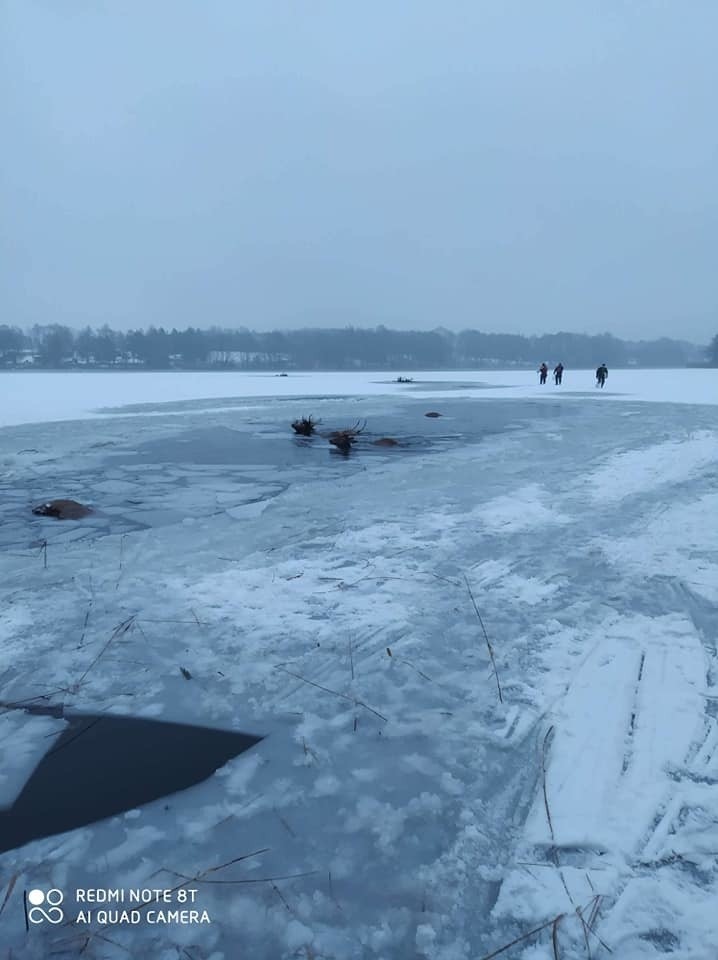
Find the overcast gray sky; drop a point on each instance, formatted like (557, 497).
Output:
(512, 166)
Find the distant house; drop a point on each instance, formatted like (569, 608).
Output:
(229, 358)
(26, 358)
(246, 358)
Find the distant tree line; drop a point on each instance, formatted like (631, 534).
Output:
(350, 348)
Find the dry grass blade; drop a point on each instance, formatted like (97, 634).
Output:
(81, 732)
(119, 631)
(122, 559)
(543, 782)
(486, 637)
(233, 883)
(336, 693)
(522, 938)
(585, 932)
(228, 863)
(554, 849)
(8, 892)
(589, 926)
(424, 676)
(115, 943)
(84, 626)
(554, 924)
(554, 939)
(199, 623)
(282, 898)
(5, 705)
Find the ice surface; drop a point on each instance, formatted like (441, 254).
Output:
(36, 397)
(320, 601)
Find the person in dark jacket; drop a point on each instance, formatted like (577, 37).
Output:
(558, 374)
(543, 372)
(601, 374)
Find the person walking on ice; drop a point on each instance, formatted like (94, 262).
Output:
(558, 374)
(543, 372)
(601, 375)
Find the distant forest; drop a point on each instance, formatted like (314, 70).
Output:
(350, 348)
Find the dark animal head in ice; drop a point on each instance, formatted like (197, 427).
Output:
(62, 510)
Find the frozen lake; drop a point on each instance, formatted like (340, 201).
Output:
(396, 807)
(29, 397)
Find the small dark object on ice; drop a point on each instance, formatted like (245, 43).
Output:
(386, 442)
(344, 439)
(62, 510)
(282, 374)
(185, 673)
(304, 427)
(404, 380)
(432, 413)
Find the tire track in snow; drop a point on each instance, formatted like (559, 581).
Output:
(644, 471)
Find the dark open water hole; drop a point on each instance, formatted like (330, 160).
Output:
(103, 765)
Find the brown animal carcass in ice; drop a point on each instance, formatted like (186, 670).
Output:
(62, 510)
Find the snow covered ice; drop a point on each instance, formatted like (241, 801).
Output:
(395, 807)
